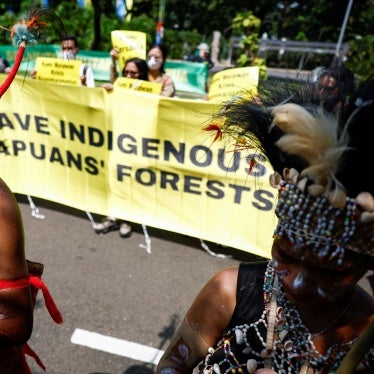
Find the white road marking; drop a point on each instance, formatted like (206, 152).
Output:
(116, 346)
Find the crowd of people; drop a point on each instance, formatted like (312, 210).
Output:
(152, 69)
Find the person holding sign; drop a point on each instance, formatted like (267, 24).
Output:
(135, 68)
(156, 59)
(69, 51)
(302, 311)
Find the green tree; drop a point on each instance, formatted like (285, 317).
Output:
(194, 21)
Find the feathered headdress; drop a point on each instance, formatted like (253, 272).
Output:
(320, 154)
(28, 32)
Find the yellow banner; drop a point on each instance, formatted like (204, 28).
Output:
(130, 44)
(58, 70)
(138, 85)
(139, 157)
(229, 83)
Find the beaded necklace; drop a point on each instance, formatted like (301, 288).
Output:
(244, 347)
(293, 346)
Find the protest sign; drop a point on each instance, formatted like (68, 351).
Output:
(130, 44)
(138, 85)
(58, 70)
(235, 82)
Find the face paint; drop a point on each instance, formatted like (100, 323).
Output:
(321, 292)
(299, 281)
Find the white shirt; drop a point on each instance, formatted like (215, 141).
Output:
(90, 79)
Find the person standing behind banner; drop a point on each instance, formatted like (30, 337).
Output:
(203, 55)
(156, 59)
(135, 68)
(69, 51)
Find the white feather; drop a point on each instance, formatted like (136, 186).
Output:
(313, 137)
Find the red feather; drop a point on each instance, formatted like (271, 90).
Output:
(217, 129)
(252, 162)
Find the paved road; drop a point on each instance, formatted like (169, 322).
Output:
(111, 286)
(112, 293)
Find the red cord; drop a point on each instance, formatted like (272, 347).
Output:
(49, 302)
(40, 285)
(18, 283)
(26, 350)
(8, 81)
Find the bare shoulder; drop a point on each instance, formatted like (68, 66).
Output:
(214, 305)
(225, 281)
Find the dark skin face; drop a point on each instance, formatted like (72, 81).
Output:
(310, 282)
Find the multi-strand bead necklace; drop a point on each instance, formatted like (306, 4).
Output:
(292, 348)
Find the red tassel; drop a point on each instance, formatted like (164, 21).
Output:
(49, 303)
(8, 81)
(26, 350)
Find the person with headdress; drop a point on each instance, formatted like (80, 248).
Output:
(302, 311)
(333, 86)
(20, 279)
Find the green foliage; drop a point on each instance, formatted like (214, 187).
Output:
(189, 23)
(77, 21)
(144, 24)
(181, 43)
(361, 56)
(248, 26)
(6, 20)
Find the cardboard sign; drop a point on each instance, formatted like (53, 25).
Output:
(130, 44)
(58, 70)
(230, 83)
(138, 85)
